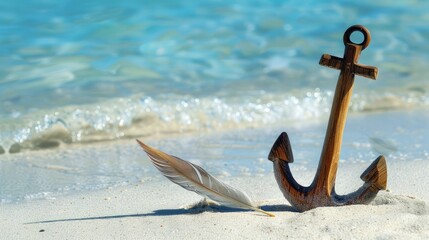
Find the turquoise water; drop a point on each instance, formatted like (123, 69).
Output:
(80, 71)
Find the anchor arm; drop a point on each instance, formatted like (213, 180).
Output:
(375, 178)
(281, 155)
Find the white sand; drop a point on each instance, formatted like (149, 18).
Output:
(154, 210)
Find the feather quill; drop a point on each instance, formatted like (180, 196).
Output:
(194, 178)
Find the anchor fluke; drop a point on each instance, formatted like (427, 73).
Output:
(281, 149)
(376, 173)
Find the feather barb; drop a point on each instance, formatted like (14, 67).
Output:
(194, 178)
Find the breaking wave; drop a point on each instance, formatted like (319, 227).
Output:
(145, 116)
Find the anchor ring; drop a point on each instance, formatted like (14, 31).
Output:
(357, 28)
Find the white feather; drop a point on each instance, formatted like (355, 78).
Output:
(194, 178)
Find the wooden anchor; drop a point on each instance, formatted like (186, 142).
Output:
(321, 192)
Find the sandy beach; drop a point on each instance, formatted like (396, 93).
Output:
(155, 208)
(158, 210)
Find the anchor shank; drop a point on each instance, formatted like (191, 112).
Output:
(328, 164)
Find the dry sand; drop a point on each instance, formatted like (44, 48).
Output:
(156, 209)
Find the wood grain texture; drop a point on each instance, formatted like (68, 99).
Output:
(322, 190)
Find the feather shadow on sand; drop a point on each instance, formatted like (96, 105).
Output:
(194, 178)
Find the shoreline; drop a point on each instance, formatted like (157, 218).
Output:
(57, 137)
(400, 136)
